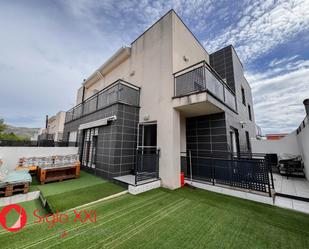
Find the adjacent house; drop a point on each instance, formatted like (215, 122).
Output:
(157, 98)
(54, 128)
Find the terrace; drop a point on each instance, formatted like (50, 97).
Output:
(118, 92)
(200, 85)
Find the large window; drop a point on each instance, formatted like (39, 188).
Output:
(243, 95)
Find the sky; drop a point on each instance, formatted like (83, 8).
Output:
(47, 48)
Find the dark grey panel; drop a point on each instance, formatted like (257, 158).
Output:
(116, 147)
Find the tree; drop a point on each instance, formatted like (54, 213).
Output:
(9, 136)
(2, 125)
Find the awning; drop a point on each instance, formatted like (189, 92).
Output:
(97, 123)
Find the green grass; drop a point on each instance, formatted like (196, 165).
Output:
(71, 193)
(77, 197)
(54, 188)
(29, 206)
(185, 218)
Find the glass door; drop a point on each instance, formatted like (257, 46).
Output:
(90, 140)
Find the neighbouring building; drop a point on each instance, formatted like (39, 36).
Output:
(54, 128)
(275, 136)
(163, 95)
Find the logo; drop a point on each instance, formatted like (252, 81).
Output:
(21, 221)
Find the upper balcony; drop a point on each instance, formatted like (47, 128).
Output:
(201, 78)
(118, 92)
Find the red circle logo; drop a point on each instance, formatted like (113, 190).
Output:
(21, 221)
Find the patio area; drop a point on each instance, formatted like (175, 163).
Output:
(292, 193)
(292, 186)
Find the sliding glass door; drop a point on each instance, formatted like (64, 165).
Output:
(90, 141)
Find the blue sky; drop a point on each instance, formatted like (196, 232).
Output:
(48, 47)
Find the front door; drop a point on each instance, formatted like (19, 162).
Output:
(147, 153)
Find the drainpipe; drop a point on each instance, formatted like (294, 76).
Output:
(46, 121)
(84, 88)
(306, 104)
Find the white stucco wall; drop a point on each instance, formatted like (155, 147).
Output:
(286, 145)
(292, 144)
(303, 143)
(11, 155)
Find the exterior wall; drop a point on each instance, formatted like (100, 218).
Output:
(227, 65)
(293, 144)
(11, 155)
(222, 62)
(287, 145)
(116, 141)
(56, 125)
(185, 45)
(303, 144)
(79, 97)
(206, 136)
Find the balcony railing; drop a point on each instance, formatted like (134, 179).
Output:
(120, 91)
(201, 77)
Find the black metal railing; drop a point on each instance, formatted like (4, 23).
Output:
(119, 91)
(46, 136)
(39, 143)
(147, 164)
(201, 77)
(240, 172)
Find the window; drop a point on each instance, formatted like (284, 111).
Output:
(248, 141)
(243, 95)
(249, 112)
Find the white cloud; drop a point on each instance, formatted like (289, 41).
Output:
(262, 26)
(278, 99)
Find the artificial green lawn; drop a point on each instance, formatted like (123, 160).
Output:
(53, 188)
(71, 193)
(29, 207)
(185, 218)
(74, 198)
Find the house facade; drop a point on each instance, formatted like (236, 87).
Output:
(54, 129)
(163, 95)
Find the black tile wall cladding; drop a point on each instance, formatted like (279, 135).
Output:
(222, 62)
(116, 147)
(206, 136)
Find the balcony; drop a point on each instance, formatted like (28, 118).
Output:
(201, 78)
(118, 92)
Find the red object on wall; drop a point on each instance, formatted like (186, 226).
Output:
(182, 179)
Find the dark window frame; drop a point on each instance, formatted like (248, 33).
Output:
(249, 112)
(243, 96)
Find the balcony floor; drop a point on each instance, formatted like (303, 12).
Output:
(197, 104)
